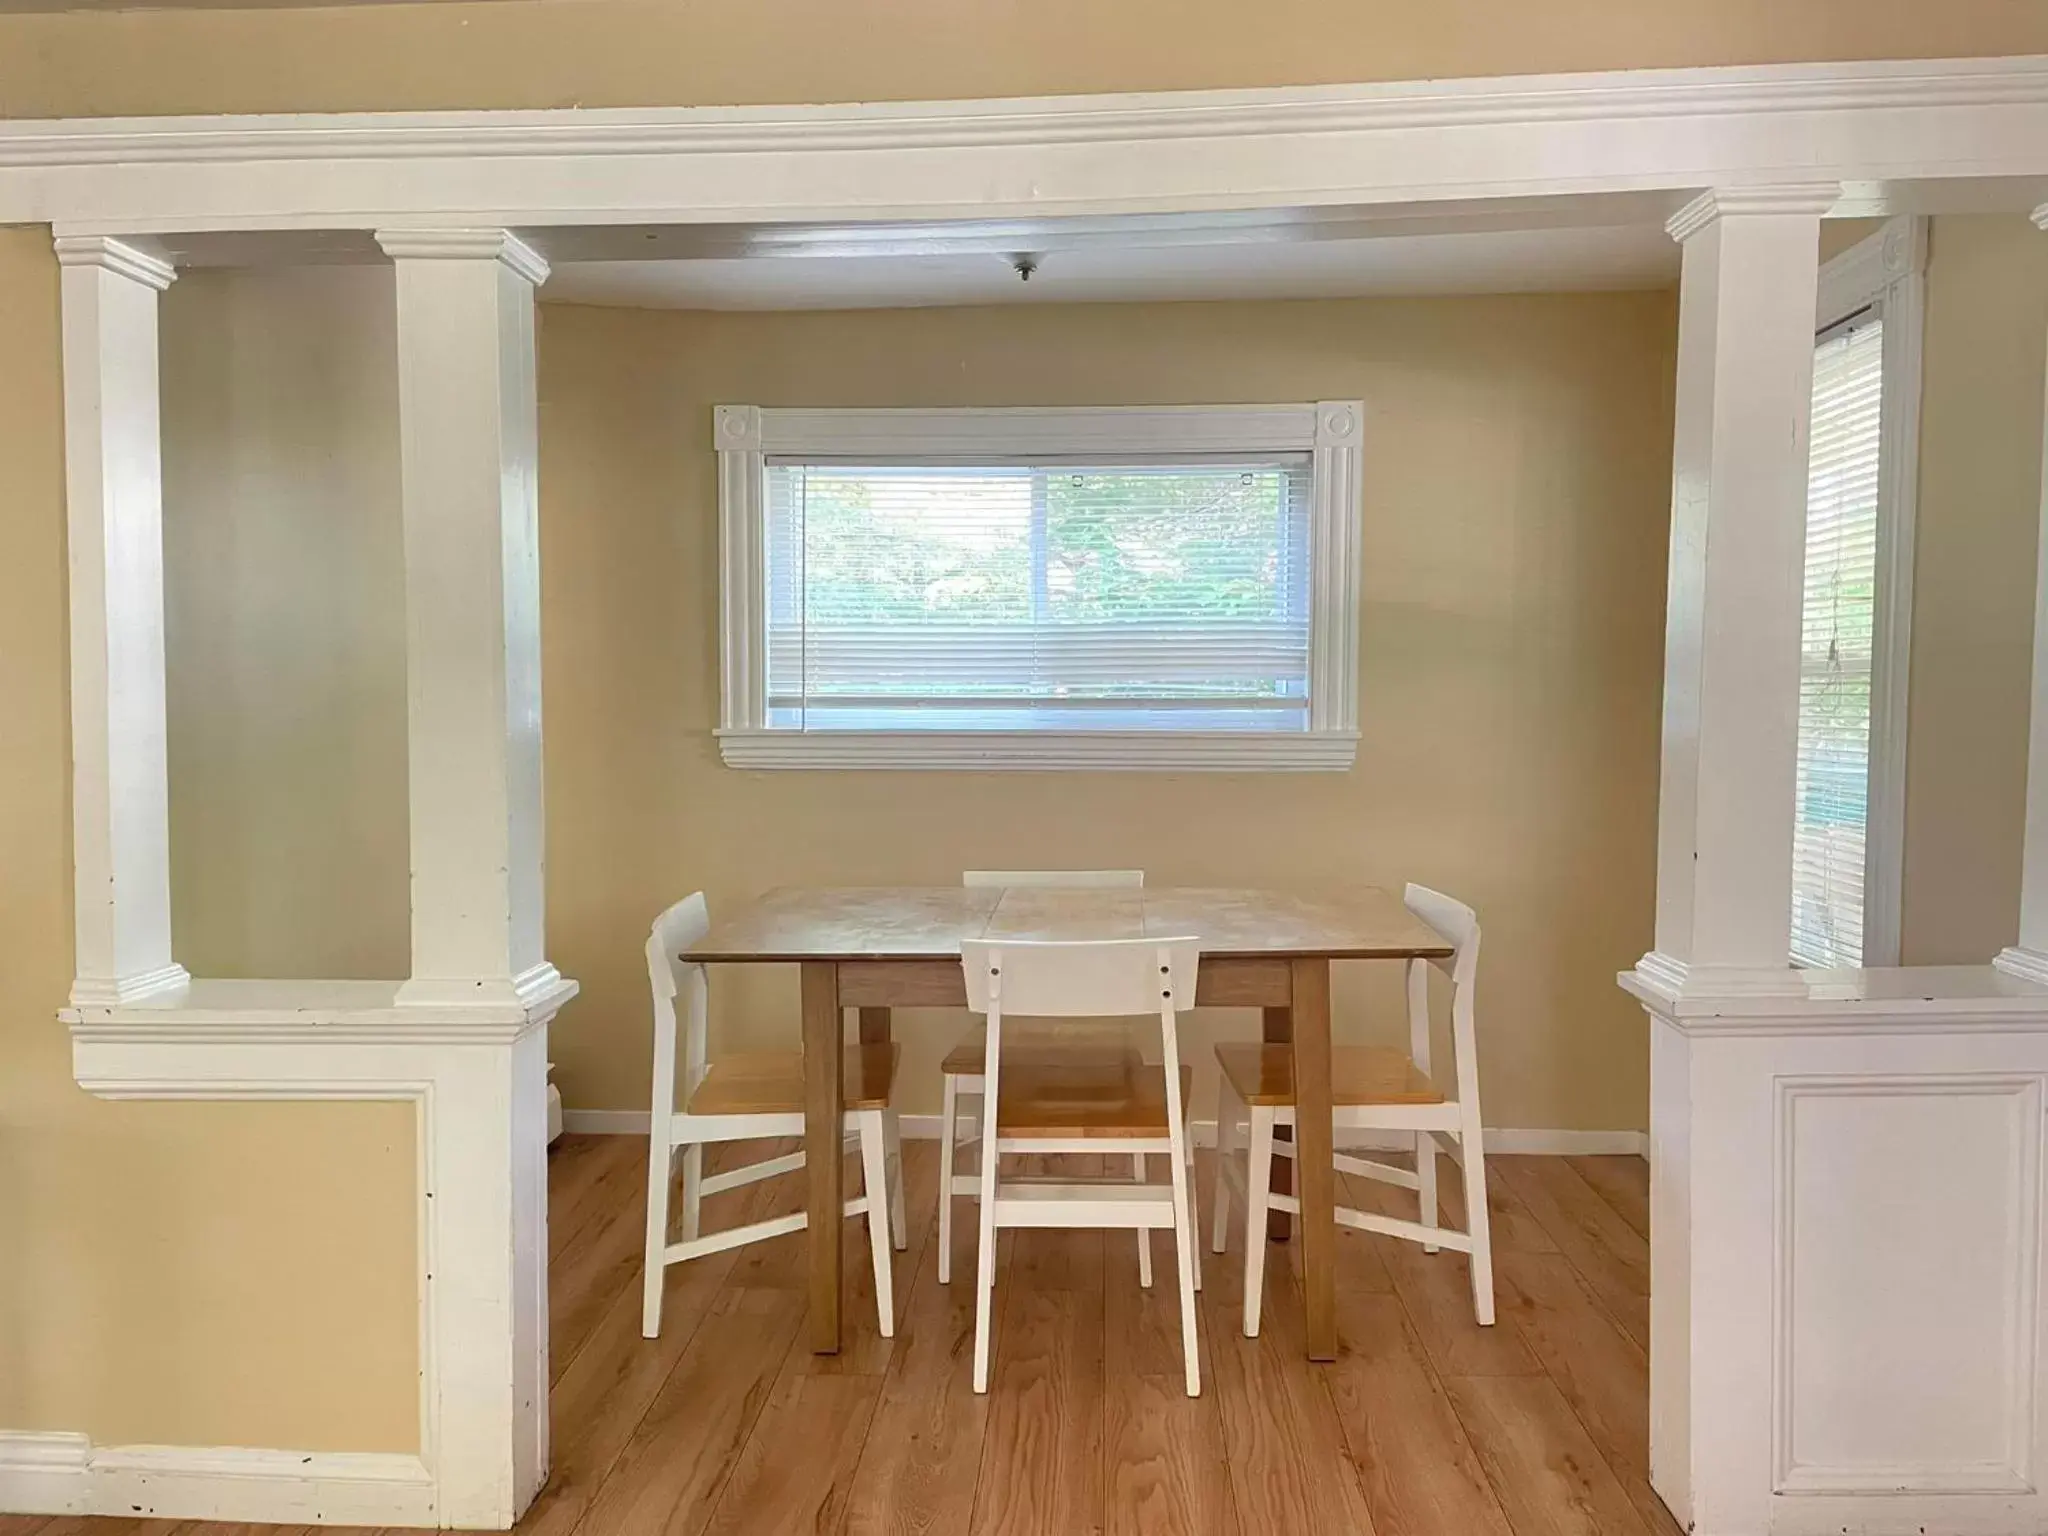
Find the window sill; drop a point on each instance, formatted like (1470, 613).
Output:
(1031, 751)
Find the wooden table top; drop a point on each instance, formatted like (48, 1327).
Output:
(929, 922)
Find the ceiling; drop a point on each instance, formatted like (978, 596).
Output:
(1497, 261)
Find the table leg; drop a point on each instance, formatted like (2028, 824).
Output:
(824, 1141)
(1315, 1174)
(874, 1026)
(1280, 1031)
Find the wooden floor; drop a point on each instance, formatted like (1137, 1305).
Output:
(1426, 1424)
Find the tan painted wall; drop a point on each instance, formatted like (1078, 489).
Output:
(559, 53)
(1978, 522)
(285, 618)
(1517, 491)
(187, 1274)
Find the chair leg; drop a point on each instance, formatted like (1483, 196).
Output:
(1184, 1253)
(892, 1144)
(693, 1190)
(874, 1164)
(984, 1286)
(1144, 1233)
(949, 1157)
(1425, 1178)
(1478, 1222)
(1226, 1128)
(654, 1265)
(1194, 1204)
(1258, 1180)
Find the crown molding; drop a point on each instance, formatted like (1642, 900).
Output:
(1798, 197)
(116, 256)
(498, 245)
(974, 123)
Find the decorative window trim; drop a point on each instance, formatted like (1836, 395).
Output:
(745, 436)
(1887, 273)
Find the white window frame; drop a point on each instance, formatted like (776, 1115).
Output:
(1886, 275)
(1330, 430)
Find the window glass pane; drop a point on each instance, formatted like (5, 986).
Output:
(1027, 596)
(1836, 649)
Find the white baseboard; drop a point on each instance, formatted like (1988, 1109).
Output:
(66, 1474)
(1506, 1140)
(623, 1122)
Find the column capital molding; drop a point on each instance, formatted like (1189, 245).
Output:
(116, 256)
(1717, 203)
(499, 245)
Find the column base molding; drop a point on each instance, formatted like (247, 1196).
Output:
(1661, 976)
(533, 988)
(112, 991)
(2026, 964)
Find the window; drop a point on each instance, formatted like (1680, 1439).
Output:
(1849, 778)
(1171, 588)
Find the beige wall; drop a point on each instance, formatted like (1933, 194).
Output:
(559, 53)
(1978, 522)
(209, 1274)
(285, 618)
(1517, 490)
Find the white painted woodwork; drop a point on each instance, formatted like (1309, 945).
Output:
(469, 468)
(1886, 127)
(477, 1076)
(1738, 520)
(1845, 1216)
(2029, 956)
(120, 797)
(1331, 431)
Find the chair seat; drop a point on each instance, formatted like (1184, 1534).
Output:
(1098, 1049)
(772, 1082)
(1106, 1097)
(1359, 1074)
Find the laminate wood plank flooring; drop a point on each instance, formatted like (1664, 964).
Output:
(1426, 1425)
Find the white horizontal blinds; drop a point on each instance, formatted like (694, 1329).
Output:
(1836, 647)
(1069, 594)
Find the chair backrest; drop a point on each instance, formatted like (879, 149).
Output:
(1460, 924)
(1056, 879)
(1072, 979)
(669, 976)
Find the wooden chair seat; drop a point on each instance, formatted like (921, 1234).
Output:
(1100, 1048)
(1078, 1098)
(772, 1082)
(1263, 1075)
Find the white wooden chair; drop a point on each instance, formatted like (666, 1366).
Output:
(1372, 1088)
(1112, 1105)
(961, 1070)
(747, 1097)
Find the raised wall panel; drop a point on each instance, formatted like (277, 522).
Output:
(1906, 1268)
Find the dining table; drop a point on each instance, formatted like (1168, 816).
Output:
(870, 950)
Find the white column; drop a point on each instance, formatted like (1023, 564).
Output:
(1738, 524)
(468, 464)
(2029, 958)
(120, 804)
(469, 451)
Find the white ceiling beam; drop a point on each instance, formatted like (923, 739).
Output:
(1438, 142)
